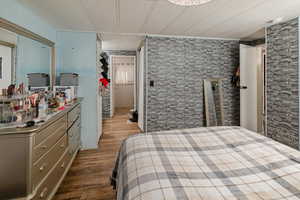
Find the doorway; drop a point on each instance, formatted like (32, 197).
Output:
(122, 83)
(5, 66)
(252, 87)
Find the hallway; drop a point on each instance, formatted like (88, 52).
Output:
(88, 178)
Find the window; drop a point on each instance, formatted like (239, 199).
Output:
(124, 70)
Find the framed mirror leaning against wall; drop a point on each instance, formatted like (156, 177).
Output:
(213, 96)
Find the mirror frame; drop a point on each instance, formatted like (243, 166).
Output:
(219, 80)
(13, 53)
(7, 25)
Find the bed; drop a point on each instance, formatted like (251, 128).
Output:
(206, 164)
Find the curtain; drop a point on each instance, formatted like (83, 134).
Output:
(123, 70)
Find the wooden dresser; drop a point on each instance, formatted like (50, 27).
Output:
(34, 161)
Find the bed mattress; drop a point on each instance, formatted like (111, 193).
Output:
(206, 164)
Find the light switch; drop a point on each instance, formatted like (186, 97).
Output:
(151, 83)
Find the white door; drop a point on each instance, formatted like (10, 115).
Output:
(250, 60)
(141, 91)
(5, 66)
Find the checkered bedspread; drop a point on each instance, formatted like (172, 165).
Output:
(206, 164)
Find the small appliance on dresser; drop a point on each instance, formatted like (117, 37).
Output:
(69, 79)
(38, 80)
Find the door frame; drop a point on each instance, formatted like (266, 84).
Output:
(13, 59)
(111, 75)
(12, 48)
(261, 92)
(141, 91)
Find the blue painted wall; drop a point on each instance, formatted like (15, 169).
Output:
(77, 53)
(32, 57)
(15, 12)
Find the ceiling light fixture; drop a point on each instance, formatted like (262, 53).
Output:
(189, 2)
(278, 19)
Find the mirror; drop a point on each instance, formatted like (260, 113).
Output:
(213, 94)
(25, 57)
(20, 56)
(32, 57)
(8, 42)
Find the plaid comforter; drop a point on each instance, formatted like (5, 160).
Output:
(206, 164)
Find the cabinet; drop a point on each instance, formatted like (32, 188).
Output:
(34, 161)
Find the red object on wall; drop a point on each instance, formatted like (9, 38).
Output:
(104, 82)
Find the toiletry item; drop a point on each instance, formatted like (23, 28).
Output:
(36, 109)
(34, 101)
(19, 117)
(4, 92)
(52, 103)
(61, 101)
(69, 97)
(11, 90)
(21, 89)
(43, 106)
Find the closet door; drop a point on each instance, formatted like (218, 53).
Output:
(249, 62)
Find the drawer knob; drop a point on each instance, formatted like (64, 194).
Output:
(63, 165)
(62, 145)
(44, 147)
(43, 194)
(42, 167)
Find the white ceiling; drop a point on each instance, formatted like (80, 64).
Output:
(120, 42)
(219, 18)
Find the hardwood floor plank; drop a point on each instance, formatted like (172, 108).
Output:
(88, 178)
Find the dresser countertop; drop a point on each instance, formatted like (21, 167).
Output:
(48, 120)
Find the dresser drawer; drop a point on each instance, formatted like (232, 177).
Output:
(74, 144)
(57, 125)
(74, 136)
(75, 128)
(56, 133)
(73, 115)
(45, 164)
(47, 187)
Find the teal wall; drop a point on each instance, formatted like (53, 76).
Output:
(15, 12)
(32, 57)
(76, 52)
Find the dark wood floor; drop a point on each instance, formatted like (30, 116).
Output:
(88, 178)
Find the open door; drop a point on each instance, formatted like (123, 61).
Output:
(5, 66)
(141, 91)
(250, 61)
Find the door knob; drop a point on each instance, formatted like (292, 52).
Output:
(243, 87)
